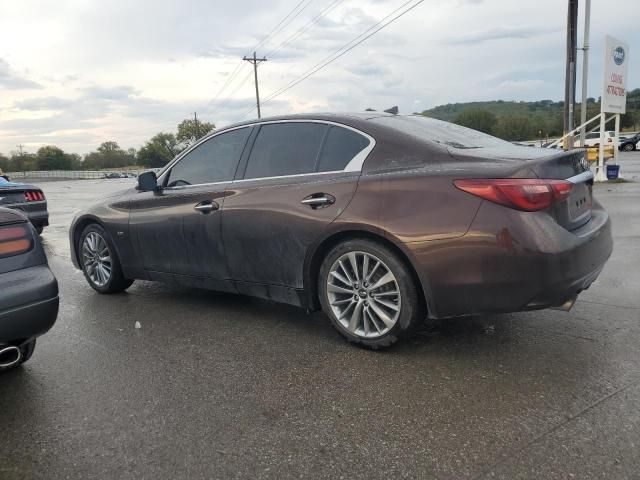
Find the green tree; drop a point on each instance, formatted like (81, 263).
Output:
(22, 162)
(158, 151)
(515, 127)
(190, 131)
(75, 161)
(476, 118)
(51, 157)
(109, 155)
(4, 163)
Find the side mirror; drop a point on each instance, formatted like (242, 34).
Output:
(148, 182)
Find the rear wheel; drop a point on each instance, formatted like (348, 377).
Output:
(100, 262)
(369, 293)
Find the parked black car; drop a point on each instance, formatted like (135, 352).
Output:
(27, 198)
(629, 144)
(28, 289)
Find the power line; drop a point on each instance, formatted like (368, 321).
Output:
(225, 102)
(274, 31)
(283, 25)
(342, 50)
(305, 27)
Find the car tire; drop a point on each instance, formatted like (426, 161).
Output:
(629, 147)
(364, 310)
(39, 229)
(100, 262)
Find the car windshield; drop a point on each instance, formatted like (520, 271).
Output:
(441, 132)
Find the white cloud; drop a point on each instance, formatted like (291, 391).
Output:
(125, 69)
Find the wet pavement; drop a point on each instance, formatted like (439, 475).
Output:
(223, 386)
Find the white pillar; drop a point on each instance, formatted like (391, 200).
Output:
(601, 175)
(616, 141)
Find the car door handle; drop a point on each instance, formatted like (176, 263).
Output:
(319, 200)
(207, 206)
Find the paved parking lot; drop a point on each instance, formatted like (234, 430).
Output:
(223, 386)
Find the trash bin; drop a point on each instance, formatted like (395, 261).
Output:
(613, 171)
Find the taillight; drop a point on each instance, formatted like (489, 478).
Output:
(34, 196)
(525, 194)
(14, 240)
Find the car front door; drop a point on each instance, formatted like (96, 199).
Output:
(298, 177)
(177, 229)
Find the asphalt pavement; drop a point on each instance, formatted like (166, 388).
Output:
(224, 386)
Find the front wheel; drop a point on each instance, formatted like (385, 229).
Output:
(369, 294)
(100, 262)
(628, 148)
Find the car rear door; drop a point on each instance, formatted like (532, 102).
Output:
(298, 177)
(177, 229)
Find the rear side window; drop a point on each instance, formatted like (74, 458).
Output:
(285, 149)
(212, 161)
(340, 148)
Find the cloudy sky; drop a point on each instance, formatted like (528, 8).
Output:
(78, 72)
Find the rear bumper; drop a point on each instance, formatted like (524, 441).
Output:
(526, 262)
(36, 212)
(29, 303)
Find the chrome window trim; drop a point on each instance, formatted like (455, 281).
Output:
(354, 165)
(257, 179)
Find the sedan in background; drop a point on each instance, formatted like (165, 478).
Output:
(28, 290)
(27, 198)
(630, 144)
(380, 220)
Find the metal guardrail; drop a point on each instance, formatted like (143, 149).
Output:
(69, 174)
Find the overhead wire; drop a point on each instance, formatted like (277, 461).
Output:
(292, 15)
(305, 27)
(362, 37)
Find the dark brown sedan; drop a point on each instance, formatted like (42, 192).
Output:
(380, 220)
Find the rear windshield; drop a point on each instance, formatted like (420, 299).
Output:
(441, 132)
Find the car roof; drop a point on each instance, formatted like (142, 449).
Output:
(345, 118)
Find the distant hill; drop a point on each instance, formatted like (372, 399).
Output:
(525, 120)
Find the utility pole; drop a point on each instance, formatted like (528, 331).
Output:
(195, 119)
(20, 148)
(570, 73)
(255, 61)
(585, 69)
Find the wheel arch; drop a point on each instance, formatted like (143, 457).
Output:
(78, 227)
(314, 259)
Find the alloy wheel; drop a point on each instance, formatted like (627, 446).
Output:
(363, 294)
(96, 259)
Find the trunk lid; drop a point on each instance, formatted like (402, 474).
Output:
(9, 196)
(534, 162)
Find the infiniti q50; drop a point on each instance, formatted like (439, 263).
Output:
(380, 220)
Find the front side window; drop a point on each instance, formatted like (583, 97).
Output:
(212, 161)
(339, 149)
(285, 149)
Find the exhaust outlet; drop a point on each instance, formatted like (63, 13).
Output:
(9, 356)
(566, 306)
